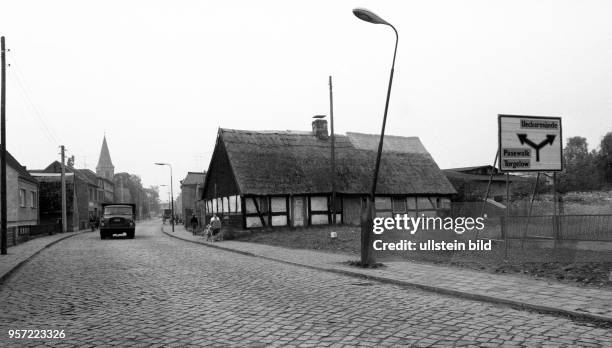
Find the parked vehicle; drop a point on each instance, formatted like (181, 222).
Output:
(167, 214)
(118, 218)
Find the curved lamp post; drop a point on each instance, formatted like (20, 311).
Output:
(171, 191)
(366, 226)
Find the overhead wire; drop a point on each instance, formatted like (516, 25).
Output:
(26, 94)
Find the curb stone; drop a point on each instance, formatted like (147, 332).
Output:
(10, 272)
(456, 293)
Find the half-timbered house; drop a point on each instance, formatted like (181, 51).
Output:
(283, 178)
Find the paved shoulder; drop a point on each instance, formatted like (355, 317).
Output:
(21, 253)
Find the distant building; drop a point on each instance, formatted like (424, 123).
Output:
(122, 191)
(21, 195)
(178, 206)
(282, 178)
(81, 195)
(189, 193)
(105, 167)
(471, 183)
(102, 193)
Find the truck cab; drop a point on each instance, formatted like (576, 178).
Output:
(118, 218)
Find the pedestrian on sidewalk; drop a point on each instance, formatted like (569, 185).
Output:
(194, 223)
(215, 224)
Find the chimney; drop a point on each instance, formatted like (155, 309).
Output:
(319, 127)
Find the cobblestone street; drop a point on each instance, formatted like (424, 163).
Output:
(155, 290)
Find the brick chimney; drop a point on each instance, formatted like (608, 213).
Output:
(319, 127)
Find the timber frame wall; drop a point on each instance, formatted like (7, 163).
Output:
(258, 211)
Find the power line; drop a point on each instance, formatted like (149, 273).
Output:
(21, 81)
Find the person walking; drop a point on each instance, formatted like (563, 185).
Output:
(194, 223)
(215, 225)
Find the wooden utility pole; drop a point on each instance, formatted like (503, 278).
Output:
(64, 214)
(333, 153)
(3, 214)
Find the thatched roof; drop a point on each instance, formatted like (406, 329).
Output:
(289, 162)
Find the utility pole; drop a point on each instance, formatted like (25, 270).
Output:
(64, 215)
(172, 196)
(333, 153)
(3, 215)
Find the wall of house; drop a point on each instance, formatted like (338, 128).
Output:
(50, 204)
(28, 215)
(188, 200)
(229, 210)
(220, 180)
(81, 220)
(299, 211)
(16, 214)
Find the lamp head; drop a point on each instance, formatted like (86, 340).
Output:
(368, 16)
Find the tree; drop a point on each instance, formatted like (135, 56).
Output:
(580, 173)
(605, 158)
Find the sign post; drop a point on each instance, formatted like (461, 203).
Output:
(532, 144)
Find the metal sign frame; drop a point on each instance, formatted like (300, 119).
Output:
(499, 143)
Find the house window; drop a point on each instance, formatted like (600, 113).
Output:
(398, 205)
(22, 198)
(32, 199)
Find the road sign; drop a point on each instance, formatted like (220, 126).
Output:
(530, 143)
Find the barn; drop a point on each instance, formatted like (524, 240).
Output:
(283, 178)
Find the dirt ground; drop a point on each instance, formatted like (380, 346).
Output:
(576, 267)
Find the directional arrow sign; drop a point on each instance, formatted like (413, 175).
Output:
(550, 139)
(530, 143)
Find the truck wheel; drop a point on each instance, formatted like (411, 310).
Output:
(130, 235)
(102, 235)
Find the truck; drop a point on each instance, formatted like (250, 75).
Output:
(118, 218)
(167, 214)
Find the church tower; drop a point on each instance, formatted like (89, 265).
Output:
(105, 167)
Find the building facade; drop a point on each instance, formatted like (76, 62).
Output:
(283, 178)
(22, 194)
(189, 194)
(471, 183)
(81, 195)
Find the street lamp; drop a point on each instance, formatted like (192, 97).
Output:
(171, 191)
(169, 199)
(366, 226)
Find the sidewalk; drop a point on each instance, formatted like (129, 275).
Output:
(588, 303)
(19, 254)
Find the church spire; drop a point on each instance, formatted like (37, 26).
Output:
(105, 167)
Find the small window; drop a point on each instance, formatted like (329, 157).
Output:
(399, 205)
(22, 198)
(32, 199)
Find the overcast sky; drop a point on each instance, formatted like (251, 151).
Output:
(160, 77)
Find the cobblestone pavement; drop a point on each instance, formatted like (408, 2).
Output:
(20, 253)
(498, 288)
(158, 291)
